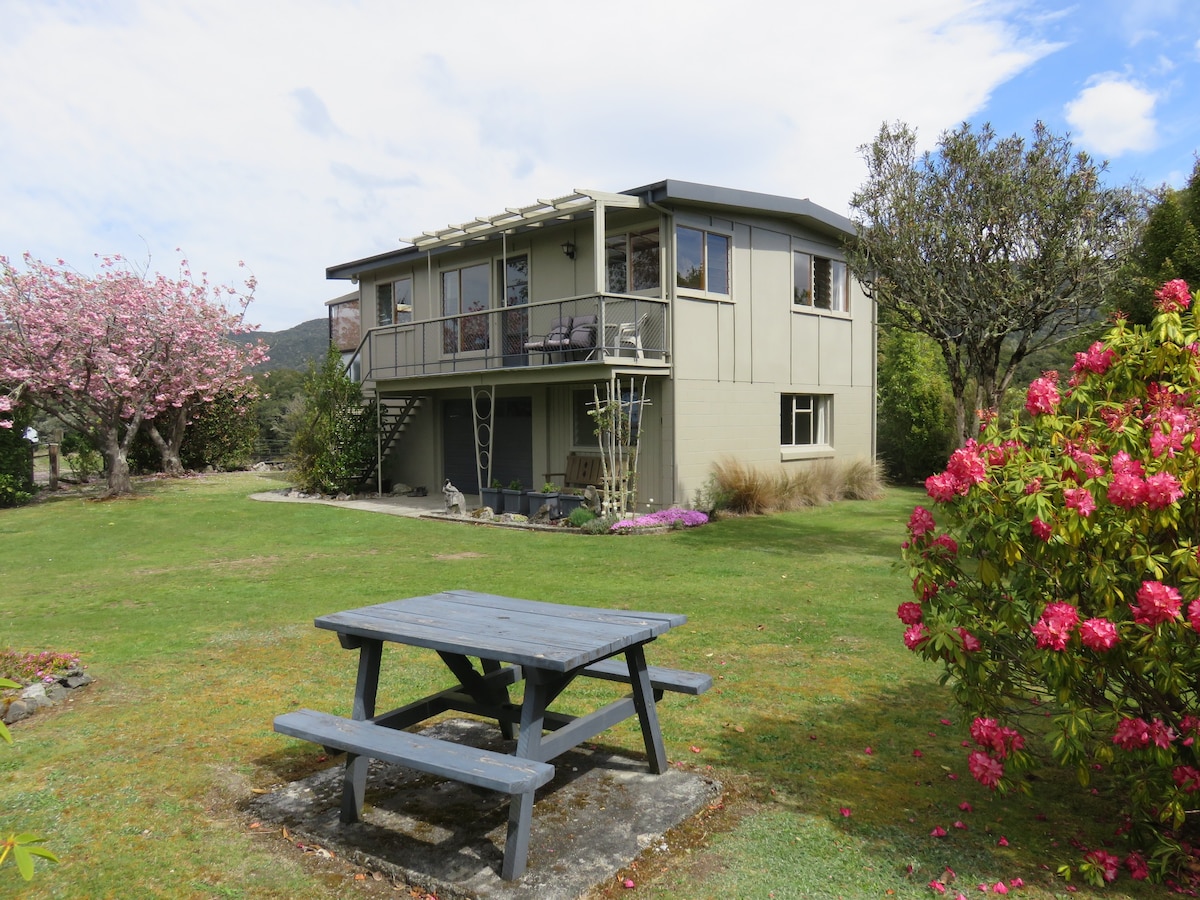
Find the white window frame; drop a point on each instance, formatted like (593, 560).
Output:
(819, 407)
(386, 298)
(705, 289)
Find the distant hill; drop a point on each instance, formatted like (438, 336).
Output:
(294, 348)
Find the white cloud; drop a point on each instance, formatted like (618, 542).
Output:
(302, 140)
(1112, 116)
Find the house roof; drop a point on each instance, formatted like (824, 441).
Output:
(583, 204)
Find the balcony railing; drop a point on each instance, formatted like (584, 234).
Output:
(626, 330)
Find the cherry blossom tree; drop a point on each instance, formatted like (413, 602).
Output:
(106, 352)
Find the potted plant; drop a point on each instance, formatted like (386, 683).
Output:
(569, 500)
(547, 496)
(493, 496)
(515, 498)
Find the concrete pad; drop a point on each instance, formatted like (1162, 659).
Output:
(600, 811)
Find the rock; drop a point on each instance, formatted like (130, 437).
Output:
(76, 681)
(17, 710)
(485, 513)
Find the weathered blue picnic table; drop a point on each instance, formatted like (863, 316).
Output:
(548, 645)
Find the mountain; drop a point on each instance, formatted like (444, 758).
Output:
(293, 348)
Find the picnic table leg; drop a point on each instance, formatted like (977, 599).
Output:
(495, 694)
(643, 701)
(502, 697)
(538, 695)
(370, 654)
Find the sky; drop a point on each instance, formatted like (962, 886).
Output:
(292, 136)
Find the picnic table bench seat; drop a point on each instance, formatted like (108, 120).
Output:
(483, 768)
(661, 679)
(581, 471)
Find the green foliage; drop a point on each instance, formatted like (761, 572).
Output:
(16, 458)
(27, 668)
(22, 847)
(599, 524)
(915, 408)
(580, 516)
(334, 440)
(990, 247)
(1066, 583)
(223, 435)
(281, 395)
(1169, 248)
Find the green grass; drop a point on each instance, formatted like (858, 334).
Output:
(192, 606)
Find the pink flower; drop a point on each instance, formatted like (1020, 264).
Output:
(1000, 888)
(1187, 777)
(1156, 602)
(1124, 464)
(984, 769)
(1126, 490)
(1042, 396)
(937, 887)
(1106, 862)
(1194, 614)
(938, 832)
(945, 487)
(967, 465)
(1054, 628)
(1096, 359)
(966, 807)
(920, 522)
(1041, 530)
(1080, 500)
(1161, 734)
(1003, 842)
(909, 613)
(918, 754)
(1136, 864)
(1173, 296)
(1162, 489)
(970, 643)
(915, 636)
(845, 811)
(1098, 634)
(1132, 734)
(946, 543)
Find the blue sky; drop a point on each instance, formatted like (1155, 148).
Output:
(298, 135)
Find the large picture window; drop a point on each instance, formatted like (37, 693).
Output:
(804, 420)
(701, 260)
(393, 302)
(820, 282)
(632, 262)
(465, 291)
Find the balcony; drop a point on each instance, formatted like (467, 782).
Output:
(628, 331)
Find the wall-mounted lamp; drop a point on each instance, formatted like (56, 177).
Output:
(568, 249)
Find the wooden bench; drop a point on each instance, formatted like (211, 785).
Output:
(483, 768)
(661, 679)
(581, 471)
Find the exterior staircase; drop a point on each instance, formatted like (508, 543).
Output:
(394, 415)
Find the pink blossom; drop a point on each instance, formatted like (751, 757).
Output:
(1174, 296)
(1156, 603)
(1003, 842)
(1187, 777)
(1124, 464)
(1126, 490)
(945, 487)
(970, 643)
(1096, 359)
(938, 832)
(1042, 396)
(1105, 862)
(1162, 489)
(986, 770)
(1080, 500)
(966, 807)
(1132, 734)
(1054, 628)
(943, 542)
(1136, 864)
(1194, 614)
(967, 465)
(920, 522)
(1000, 888)
(1161, 734)
(909, 613)
(937, 887)
(1034, 486)
(915, 636)
(1098, 634)
(1041, 530)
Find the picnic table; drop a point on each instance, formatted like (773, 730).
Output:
(547, 645)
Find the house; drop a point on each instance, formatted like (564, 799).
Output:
(731, 313)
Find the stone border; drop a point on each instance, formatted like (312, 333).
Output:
(42, 694)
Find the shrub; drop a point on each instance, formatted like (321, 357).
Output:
(580, 516)
(1066, 582)
(740, 488)
(334, 440)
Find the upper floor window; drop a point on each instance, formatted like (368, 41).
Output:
(465, 291)
(820, 282)
(804, 420)
(632, 262)
(701, 260)
(393, 302)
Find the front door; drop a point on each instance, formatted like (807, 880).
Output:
(512, 444)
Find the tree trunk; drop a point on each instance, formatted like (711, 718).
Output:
(169, 449)
(117, 464)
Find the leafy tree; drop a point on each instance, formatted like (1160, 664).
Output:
(1169, 248)
(992, 248)
(105, 353)
(335, 438)
(1062, 593)
(16, 458)
(915, 427)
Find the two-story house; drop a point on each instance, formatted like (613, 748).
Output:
(486, 341)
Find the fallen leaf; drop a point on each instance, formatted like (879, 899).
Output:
(739, 729)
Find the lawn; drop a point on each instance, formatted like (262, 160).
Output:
(192, 607)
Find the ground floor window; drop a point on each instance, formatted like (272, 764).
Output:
(584, 423)
(804, 420)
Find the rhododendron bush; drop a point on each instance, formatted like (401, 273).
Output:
(1057, 579)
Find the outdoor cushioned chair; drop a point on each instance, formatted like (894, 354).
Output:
(559, 333)
(581, 337)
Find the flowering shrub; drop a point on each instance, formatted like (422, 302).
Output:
(1064, 588)
(671, 518)
(26, 668)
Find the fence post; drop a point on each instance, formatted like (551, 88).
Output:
(53, 456)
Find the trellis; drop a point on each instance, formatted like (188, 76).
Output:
(618, 420)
